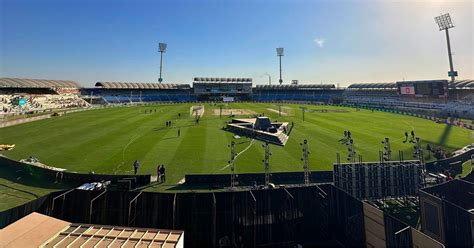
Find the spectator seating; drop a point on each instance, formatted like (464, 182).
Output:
(40, 103)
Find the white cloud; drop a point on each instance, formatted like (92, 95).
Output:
(319, 41)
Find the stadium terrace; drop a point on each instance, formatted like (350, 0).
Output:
(426, 97)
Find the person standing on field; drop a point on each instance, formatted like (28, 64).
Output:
(136, 165)
(158, 173)
(162, 174)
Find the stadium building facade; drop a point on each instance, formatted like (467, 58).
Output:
(222, 89)
(438, 98)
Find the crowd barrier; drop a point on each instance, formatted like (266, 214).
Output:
(443, 164)
(72, 177)
(248, 179)
(315, 215)
(13, 214)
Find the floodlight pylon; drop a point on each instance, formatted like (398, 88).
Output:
(162, 49)
(280, 54)
(233, 181)
(445, 23)
(305, 159)
(266, 163)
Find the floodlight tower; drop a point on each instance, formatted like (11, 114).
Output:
(162, 49)
(418, 153)
(269, 78)
(232, 165)
(418, 150)
(387, 153)
(280, 54)
(266, 163)
(306, 162)
(352, 152)
(445, 23)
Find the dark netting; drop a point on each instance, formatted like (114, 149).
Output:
(13, 214)
(314, 215)
(347, 219)
(457, 226)
(72, 178)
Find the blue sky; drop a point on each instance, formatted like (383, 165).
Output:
(338, 42)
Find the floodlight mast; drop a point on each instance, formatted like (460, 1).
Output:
(269, 78)
(352, 152)
(387, 153)
(266, 163)
(445, 23)
(418, 153)
(280, 54)
(233, 182)
(305, 159)
(162, 49)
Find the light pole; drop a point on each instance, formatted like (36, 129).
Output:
(280, 54)
(303, 109)
(233, 154)
(266, 163)
(305, 160)
(352, 152)
(269, 78)
(445, 23)
(162, 49)
(418, 153)
(387, 151)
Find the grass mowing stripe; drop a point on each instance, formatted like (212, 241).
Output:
(108, 140)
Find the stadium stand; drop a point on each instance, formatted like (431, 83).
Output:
(230, 89)
(371, 93)
(461, 99)
(386, 95)
(303, 92)
(123, 92)
(30, 95)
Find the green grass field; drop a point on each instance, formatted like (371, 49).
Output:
(109, 140)
(466, 168)
(17, 189)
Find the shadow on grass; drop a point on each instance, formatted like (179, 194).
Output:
(27, 178)
(20, 190)
(445, 135)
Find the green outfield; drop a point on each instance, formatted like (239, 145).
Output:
(19, 188)
(109, 140)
